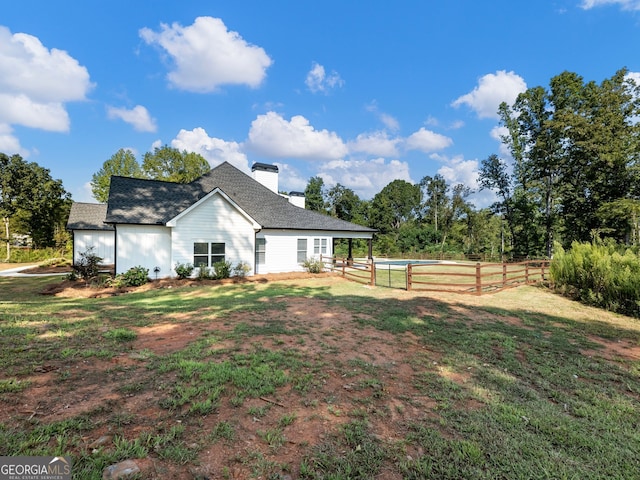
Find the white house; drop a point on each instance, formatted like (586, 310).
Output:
(223, 215)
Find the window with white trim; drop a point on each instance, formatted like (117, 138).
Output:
(302, 250)
(261, 251)
(319, 246)
(205, 254)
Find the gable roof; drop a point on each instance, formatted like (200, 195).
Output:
(88, 216)
(153, 202)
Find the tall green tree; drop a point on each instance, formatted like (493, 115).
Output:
(31, 200)
(435, 191)
(314, 195)
(172, 165)
(345, 204)
(575, 149)
(122, 163)
(494, 175)
(455, 210)
(397, 203)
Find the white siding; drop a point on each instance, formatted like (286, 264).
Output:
(281, 252)
(148, 246)
(217, 221)
(101, 241)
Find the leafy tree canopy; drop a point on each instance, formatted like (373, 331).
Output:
(32, 200)
(172, 165)
(314, 195)
(122, 163)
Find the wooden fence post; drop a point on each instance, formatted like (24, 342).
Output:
(409, 278)
(344, 270)
(373, 273)
(504, 275)
(478, 279)
(526, 272)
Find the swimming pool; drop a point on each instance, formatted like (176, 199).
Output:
(406, 262)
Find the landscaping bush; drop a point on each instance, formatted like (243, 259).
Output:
(603, 275)
(222, 270)
(313, 265)
(184, 270)
(134, 277)
(87, 267)
(241, 269)
(204, 273)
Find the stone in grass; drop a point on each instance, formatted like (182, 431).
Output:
(120, 470)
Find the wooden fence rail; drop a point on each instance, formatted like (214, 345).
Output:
(455, 277)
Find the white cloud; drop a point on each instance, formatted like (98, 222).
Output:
(138, 117)
(457, 170)
(9, 143)
(319, 82)
(214, 150)
(497, 133)
(492, 90)
(635, 76)
(206, 55)
(273, 136)
(427, 141)
(388, 120)
(375, 143)
(624, 4)
(19, 109)
(290, 179)
(365, 177)
(36, 82)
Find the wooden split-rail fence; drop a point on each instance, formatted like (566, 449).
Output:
(456, 277)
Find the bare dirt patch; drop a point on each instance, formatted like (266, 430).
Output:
(363, 370)
(365, 373)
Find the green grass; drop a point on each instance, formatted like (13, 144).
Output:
(512, 385)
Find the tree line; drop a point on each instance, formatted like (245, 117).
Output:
(572, 173)
(35, 205)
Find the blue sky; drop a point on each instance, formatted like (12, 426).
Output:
(359, 93)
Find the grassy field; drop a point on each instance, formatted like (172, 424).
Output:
(319, 379)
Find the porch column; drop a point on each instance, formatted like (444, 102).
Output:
(350, 255)
(371, 249)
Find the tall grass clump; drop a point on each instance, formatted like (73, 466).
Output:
(600, 274)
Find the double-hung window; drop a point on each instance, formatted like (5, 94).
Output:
(205, 254)
(319, 246)
(261, 251)
(302, 250)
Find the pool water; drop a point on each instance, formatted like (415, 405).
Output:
(406, 262)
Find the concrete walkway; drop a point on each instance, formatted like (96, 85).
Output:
(17, 272)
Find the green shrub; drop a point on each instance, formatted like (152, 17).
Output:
(222, 270)
(87, 267)
(313, 265)
(134, 277)
(184, 270)
(241, 269)
(604, 275)
(204, 273)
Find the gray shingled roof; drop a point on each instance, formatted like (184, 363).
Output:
(152, 202)
(88, 216)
